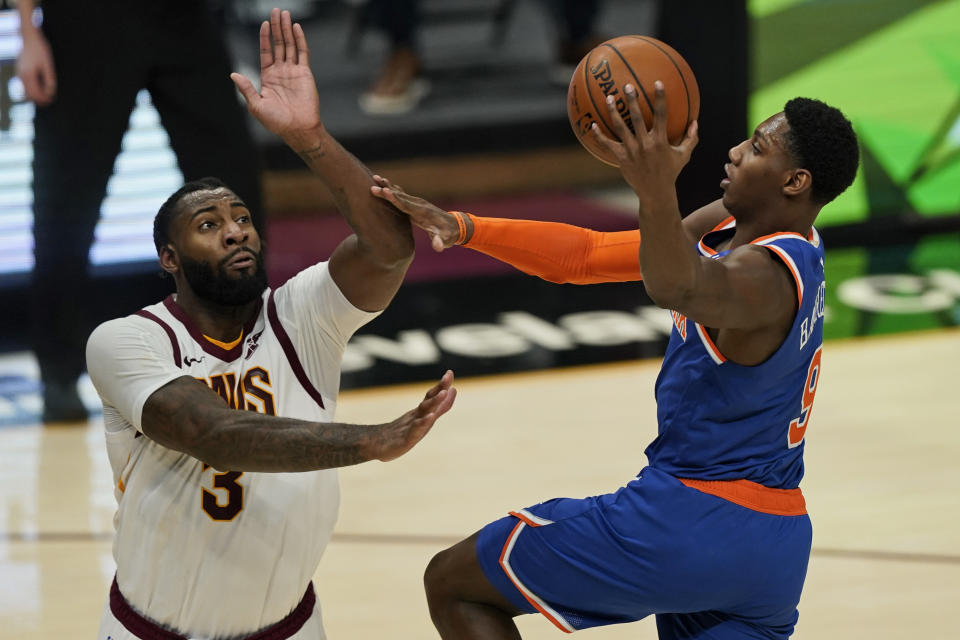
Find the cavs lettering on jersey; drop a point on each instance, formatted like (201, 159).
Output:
(719, 420)
(204, 550)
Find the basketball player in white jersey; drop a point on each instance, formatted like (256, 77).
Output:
(219, 401)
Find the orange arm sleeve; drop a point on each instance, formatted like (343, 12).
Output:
(559, 252)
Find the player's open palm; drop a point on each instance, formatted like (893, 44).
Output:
(439, 224)
(288, 102)
(394, 439)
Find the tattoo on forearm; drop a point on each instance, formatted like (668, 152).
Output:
(286, 445)
(249, 441)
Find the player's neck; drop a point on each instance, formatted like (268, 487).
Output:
(220, 322)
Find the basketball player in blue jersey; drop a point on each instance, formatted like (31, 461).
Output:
(712, 536)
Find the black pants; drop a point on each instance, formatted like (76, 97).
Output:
(575, 19)
(104, 53)
(400, 19)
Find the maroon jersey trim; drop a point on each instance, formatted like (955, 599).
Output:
(147, 630)
(143, 313)
(227, 355)
(290, 352)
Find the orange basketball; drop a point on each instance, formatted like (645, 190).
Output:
(636, 60)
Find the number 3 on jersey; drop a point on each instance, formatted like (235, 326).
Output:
(226, 481)
(798, 426)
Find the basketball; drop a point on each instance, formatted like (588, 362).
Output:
(636, 60)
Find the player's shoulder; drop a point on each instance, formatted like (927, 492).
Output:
(119, 330)
(806, 251)
(304, 289)
(314, 275)
(116, 327)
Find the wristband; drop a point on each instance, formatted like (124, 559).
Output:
(461, 225)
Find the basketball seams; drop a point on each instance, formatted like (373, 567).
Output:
(607, 68)
(587, 87)
(634, 75)
(686, 89)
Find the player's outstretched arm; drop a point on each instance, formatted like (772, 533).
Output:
(369, 266)
(553, 251)
(185, 415)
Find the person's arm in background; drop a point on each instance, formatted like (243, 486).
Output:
(369, 266)
(35, 64)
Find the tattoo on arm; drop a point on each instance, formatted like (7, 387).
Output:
(187, 416)
(255, 442)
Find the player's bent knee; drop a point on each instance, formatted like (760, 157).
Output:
(453, 573)
(436, 577)
(454, 577)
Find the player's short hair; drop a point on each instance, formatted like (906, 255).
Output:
(822, 140)
(169, 209)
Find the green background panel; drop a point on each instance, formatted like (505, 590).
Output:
(759, 8)
(840, 320)
(898, 82)
(933, 253)
(936, 252)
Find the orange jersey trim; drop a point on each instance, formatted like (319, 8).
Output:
(529, 596)
(778, 502)
(723, 224)
(726, 223)
(711, 348)
(225, 345)
(778, 234)
(792, 267)
(520, 516)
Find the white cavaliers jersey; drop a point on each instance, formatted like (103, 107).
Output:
(208, 552)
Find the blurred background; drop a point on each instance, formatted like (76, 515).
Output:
(491, 136)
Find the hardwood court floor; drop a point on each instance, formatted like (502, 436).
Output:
(882, 488)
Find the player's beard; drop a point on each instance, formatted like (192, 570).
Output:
(219, 287)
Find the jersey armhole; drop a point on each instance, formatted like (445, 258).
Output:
(784, 259)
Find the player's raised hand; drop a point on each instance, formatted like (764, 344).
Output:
(440, 225)
(647, 160)
(287, 104)
(392, 440)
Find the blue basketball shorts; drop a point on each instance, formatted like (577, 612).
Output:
(705, 566)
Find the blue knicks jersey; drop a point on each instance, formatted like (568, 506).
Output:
(718, 420)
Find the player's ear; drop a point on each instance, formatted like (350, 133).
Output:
(796, 182)
(169, 260)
